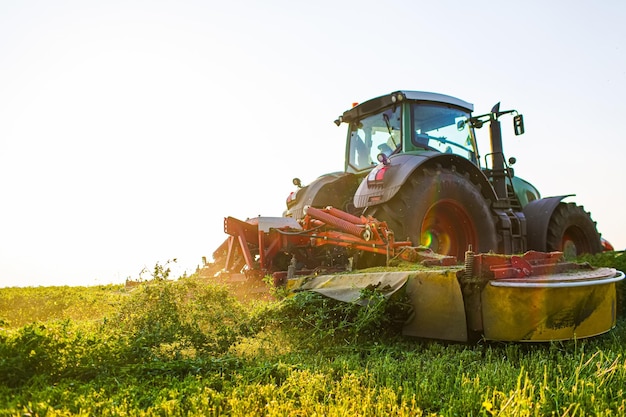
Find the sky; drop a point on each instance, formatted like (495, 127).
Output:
(130, 129)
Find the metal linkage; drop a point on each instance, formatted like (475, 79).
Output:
(532, 263)
(260, 239)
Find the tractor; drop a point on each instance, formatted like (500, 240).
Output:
(495, 257)
(412, 160)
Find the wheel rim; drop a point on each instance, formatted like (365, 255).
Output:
(574, 242)
(448, 229)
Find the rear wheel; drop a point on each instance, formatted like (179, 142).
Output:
(443, 210)
(572, 231)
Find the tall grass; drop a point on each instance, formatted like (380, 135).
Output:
(188, 348)
(20, 306)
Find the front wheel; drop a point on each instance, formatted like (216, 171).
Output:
(443, 210)
(572, 231)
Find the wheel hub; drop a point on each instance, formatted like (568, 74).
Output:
(447, 229)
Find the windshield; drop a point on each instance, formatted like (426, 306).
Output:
(370, 136)
(442, 128)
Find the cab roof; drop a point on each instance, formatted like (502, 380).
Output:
(375, 104)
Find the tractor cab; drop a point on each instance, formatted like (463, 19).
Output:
(428, 125)
(407, 122)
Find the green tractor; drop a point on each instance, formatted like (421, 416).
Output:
(415, 189)
(412, 161)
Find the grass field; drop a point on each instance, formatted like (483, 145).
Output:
(189, 348)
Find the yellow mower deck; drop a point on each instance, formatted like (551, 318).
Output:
(551, 307)
(537, 296)
(569, 305)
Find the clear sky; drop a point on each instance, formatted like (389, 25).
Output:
(130, 129)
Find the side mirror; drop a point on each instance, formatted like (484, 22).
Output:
(518, 124)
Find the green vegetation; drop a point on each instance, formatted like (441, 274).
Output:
(187, 347)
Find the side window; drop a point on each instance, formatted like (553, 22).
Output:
(359, 149)
(441, 128)
(379, 133)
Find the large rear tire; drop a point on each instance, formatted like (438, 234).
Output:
(572, 231)
(441, 209)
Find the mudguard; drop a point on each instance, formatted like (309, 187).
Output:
(401, 167)
(332, 189)
(538, 214)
